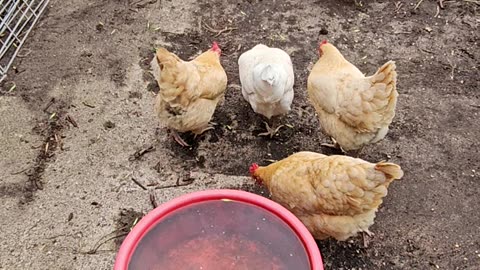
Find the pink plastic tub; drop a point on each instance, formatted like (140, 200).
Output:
(219, 229)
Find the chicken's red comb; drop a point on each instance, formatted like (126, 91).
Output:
(216, 48)
(253, 168)
(323, 42)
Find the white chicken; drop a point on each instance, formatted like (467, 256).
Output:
(267, 79)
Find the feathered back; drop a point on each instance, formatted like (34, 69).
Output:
(267, 79)
(177, 78)
(354, 109)
(337, 185)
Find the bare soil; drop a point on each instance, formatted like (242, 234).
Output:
(84, 101)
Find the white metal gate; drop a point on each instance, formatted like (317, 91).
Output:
(17, 18)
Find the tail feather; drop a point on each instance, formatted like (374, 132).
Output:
(268, 74)
(169, 77)
(269, 82)
(386, 74)
(166, 58)
(385, 89)
(390, 169)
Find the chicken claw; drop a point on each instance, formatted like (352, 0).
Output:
(335, 145)
(271, 132)
(207, 128)
(365, 237)
(201, 131)
(179, 139)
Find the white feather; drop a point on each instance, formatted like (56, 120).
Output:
(267, 79)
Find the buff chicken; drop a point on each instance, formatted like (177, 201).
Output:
(189, 91)
(353, 110)
(334, 196)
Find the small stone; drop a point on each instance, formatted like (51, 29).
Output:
(323, 31)
(153, 87)
(99, 27)
(109, 124)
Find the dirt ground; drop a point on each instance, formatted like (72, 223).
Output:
(79, 124)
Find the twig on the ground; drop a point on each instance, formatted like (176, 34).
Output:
(158, 167)
(21, 55)
(46, 148)
(218, 32)
(437, 13)
(139, 184)
(12, 88)
(139, 153)
(453, 66)
(398, 6)
(19, 172)
(427, 51)
(153, 199)
(99, 244)
(87, 104)
(139, 4)
(402, 32)
(58, 141)
(177, 184)
(418, 4)
(50, 103)
(440, 3)
(71, 120)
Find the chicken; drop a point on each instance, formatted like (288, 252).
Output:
(189, 91)
(353, 109)
(267, 79)
(334, 196)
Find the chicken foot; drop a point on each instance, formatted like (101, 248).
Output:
(335, 145)
(209, 127)
(271, 132)
(178, 139)
(365, 237)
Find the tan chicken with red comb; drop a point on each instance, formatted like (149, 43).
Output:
(334, 196)
(189, 91)
(353, 109)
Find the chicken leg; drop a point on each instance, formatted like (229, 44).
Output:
(271, 132)
(365, 237)
(178, 139)
(335, 145)
(201, 131)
